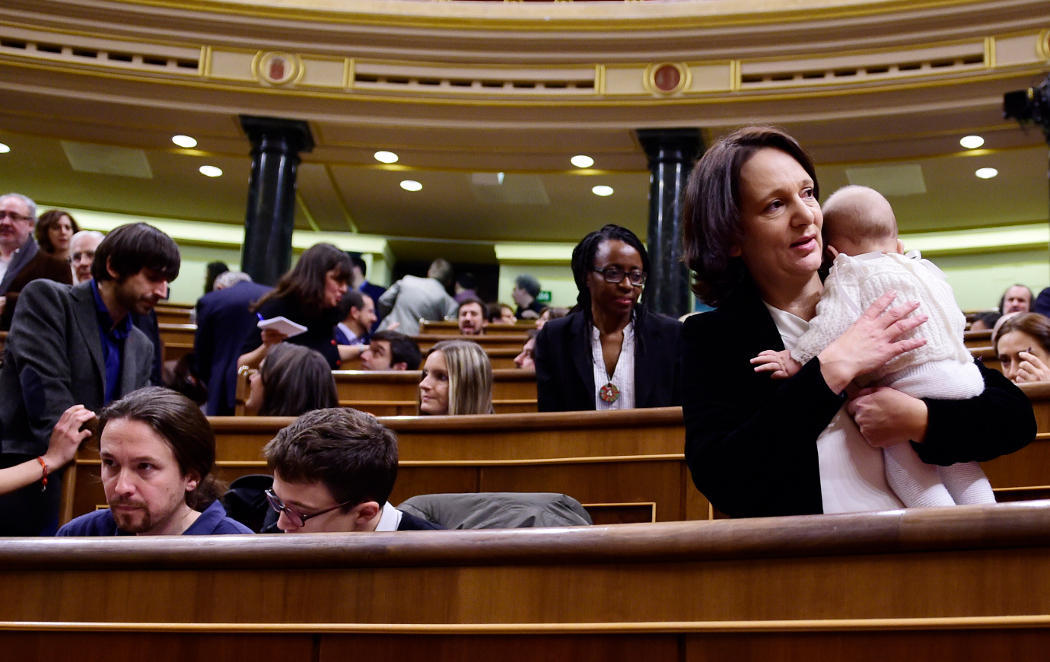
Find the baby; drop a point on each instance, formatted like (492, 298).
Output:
(860, 231)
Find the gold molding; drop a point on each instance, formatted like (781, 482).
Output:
(1042, 46)
(537, 16)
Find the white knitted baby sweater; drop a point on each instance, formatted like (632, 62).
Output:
(856, 281)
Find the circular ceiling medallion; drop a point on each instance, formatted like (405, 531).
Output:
(666, 77)
(276, 68)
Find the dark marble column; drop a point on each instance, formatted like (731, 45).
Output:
(671, 153)
(276, 144)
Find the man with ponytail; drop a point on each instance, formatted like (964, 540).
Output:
(157, 451)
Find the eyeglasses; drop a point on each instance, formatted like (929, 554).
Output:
(297, 517)
(614, 274)
(13, 215)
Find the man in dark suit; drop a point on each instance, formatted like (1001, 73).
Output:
(223, 322)
(358, 282)
(17, 247)
(75, 344)
(333, 470)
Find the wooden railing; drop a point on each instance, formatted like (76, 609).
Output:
(624, 465)
(963, 583)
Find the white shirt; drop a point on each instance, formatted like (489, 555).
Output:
(852, 472)
(390, 519)
(623, 375)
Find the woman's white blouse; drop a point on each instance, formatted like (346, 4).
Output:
(623, 376)
(852, 473)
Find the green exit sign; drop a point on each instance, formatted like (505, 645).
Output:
(544, 296)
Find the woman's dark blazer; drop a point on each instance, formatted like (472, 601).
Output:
(751, 440)
(565, 379)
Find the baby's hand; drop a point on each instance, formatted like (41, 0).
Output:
(779, 363)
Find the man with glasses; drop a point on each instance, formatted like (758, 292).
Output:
(333, 470)
(17, 246)
(76, 344)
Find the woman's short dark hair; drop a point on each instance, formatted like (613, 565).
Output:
(1033, 324)
(583, 259)
(131, 248)
(296, 380)
(348, 451)
(43, 225)
(711, 208)
(305, 281)
(180, 422)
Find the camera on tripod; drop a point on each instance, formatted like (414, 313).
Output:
(1031, 105)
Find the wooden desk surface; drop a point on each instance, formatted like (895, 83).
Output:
(936, 584)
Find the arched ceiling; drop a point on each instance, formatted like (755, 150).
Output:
(463, 90)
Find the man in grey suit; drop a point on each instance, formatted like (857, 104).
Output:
(75, 344)
(412, 298)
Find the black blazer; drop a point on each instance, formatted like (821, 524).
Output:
(564, 377)
(751, 440)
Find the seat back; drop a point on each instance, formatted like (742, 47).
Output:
(498, 510)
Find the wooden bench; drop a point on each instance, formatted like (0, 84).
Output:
(509, 341)
(981, 338)
(394, 392)
(174, 313)
(623, 465)
(936, 585)
(177, 339)
(451, 327)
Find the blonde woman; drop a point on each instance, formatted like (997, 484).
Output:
(457, 380)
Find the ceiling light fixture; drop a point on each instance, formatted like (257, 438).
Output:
(582, 161)
(603, 191)
(986, 173)
(186, 142)
(4, 149)
(971, 142)
(210, 171)
(385, 157)
(411, 185)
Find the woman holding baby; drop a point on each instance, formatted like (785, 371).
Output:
(757, 445)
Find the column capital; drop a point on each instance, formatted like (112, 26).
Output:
(295, 133)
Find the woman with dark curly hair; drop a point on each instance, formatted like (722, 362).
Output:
(309, 295)
(610, 352)
(756, 446)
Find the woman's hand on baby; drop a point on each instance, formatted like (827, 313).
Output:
(780, 364)
(874, 339)
(887, 417)
(1031, 368)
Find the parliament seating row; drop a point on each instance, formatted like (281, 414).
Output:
(935, 584)
(451, 327)
(622, 465)
(394, 392)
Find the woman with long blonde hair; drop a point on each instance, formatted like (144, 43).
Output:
(457, 380)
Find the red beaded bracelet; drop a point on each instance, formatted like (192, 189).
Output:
(43, 479)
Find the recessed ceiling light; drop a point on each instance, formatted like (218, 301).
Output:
(986, 173)
(603, 191)
(4, 149)
(210, 171)
(187, 142)
(971, 142)
(385, 157)
(582, 161)
(411, 185)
